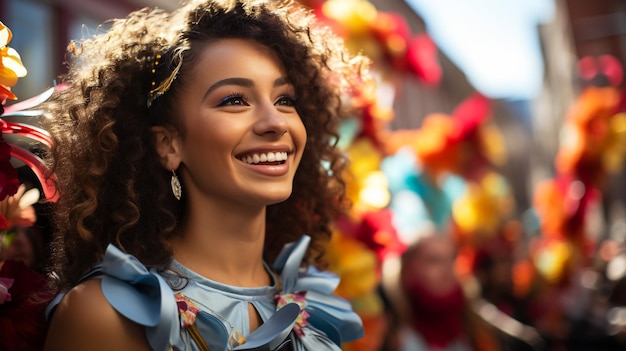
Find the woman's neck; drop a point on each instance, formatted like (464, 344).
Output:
(224, 242)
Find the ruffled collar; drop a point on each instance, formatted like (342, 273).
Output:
(322, 320)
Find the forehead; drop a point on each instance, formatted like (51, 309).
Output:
(228, 56)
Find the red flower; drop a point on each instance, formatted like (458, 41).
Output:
(8, 175)
(22, 323)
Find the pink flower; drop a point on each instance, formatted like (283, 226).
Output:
(22, 322)
(188, 310)
(298, 298)
(5, 285)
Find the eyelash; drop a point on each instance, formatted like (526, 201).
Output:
(228, 100)
(290, 99)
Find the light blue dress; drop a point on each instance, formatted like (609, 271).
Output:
(181, 310)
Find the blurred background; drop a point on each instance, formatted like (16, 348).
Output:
(487, 172)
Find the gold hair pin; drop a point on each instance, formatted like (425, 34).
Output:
(157, 91)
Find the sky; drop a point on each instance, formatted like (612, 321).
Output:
(494, 42)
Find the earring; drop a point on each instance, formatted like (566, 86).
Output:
(177, 189)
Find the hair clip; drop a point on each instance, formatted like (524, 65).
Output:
(157, 90)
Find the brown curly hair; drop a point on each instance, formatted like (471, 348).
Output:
(112, 187)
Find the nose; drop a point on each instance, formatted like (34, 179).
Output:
(270, 122)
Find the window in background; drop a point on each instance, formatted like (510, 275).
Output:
(32, 24)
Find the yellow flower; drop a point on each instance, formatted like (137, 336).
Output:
(615, 151)
(354, 263)
(485, 205)
(11, 67)
(366, 185)
(552, 259)
(493, 144)
(356, 15)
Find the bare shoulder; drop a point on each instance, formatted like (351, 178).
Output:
(84, 320)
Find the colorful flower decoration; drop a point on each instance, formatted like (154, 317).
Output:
(355, 263)
(22, 320)
(367, 186)
(384, 37)
(562, 205)
(593, 142)
(358, 266)
(419, 202)
(376, 230)
(484, 206)
(553, 259)
(593, 146)
(11, 67)
(17, 209)
(298, 298)
(187, 309)
(463, 144)
(5, 285)
(8, 175)
(34, 162)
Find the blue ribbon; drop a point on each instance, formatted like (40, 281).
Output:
(142, 296)
(328, 313)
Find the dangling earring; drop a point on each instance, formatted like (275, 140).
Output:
(177, 189)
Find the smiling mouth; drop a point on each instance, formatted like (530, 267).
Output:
(265, 158)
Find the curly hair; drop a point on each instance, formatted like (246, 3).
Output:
(111, 185)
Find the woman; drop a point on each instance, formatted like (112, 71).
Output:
(190, 148)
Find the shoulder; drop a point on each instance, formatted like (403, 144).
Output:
(85, 320)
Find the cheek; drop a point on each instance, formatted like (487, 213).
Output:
(299, 133)
(214, 136)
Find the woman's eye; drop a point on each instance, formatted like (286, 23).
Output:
(233, 100)
(285, 101)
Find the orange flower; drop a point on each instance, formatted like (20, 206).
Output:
(11, 67)
(592, 141)
(549, 202)
(433, 144)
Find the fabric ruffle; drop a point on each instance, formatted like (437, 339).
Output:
(331, 320)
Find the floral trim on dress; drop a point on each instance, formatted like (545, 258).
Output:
(298, 298)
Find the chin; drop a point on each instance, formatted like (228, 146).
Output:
(277, 199)
(274, 197)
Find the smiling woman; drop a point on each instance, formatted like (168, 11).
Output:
(188, 154)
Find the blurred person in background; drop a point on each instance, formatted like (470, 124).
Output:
(429, 305)
(23, 289)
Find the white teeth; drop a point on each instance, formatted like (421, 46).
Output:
(265, 157)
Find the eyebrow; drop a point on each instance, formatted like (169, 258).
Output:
(243, 82)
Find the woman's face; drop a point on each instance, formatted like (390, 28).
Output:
(244, 138)
(432, 264)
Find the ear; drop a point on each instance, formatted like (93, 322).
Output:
(167, 143)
